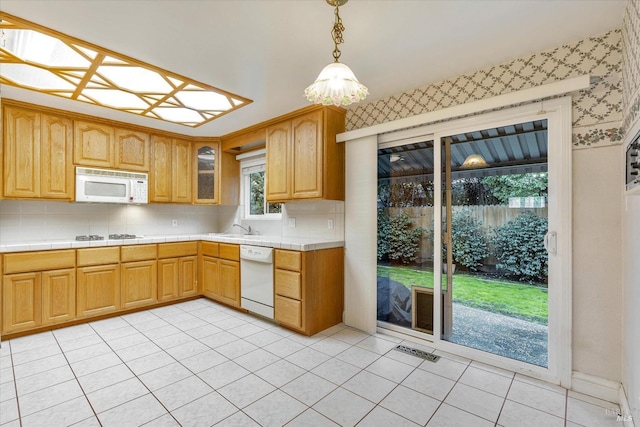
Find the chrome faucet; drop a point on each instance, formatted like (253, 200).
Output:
(248, 230)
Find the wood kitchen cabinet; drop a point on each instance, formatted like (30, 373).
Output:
(139, 272)
(216, 175)
(98, 275)
(309, 289)
(160, 176)
(220, 272)
(37, 155)
(170, 179)
(139, 283)
(22, 296)
(177, 270)
(303, 159)
(206, 180)
(93, 144)
(58, 296)
(38, 289)
(181, 171)
(132, 150)
(104, 146)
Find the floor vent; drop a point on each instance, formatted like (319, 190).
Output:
(419, 353)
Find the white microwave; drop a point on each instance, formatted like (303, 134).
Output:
(108, 186)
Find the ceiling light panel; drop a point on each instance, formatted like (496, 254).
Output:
(37, 58)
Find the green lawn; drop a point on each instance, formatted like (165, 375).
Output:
(511, 298)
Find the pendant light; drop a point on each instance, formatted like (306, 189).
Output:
(336, 84)
(474, 161)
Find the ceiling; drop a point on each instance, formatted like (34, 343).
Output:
(270, 50)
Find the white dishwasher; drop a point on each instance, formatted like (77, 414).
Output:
(256, 279)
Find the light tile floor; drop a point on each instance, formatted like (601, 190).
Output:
(200, 364)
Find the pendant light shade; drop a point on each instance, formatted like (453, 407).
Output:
(474, 161)
(336, 84)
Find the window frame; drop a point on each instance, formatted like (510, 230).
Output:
(256, 162)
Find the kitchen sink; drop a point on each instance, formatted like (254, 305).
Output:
(237, 236)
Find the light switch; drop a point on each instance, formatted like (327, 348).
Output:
(330, 224)
(292, 223)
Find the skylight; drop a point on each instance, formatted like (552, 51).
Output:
(36, 58)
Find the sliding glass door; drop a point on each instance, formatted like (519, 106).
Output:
(405, 267)
(494, 223)
(481, 240)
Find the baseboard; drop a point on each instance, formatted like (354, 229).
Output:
(595, 386)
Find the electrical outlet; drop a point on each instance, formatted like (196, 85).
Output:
(330, 224)
(174, 222)
(292, 223)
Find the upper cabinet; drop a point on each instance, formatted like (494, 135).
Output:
(181, 171)
(41, 148)
(93, 145)
(132, 150)
(37, 155)
(303, 159)
(170, 178)
(206, 185)
(104, 146)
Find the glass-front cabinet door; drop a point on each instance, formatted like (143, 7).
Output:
(206, 185)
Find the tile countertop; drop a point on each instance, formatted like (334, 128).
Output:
(293, 243)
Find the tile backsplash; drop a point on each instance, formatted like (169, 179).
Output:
(311, 220)
(26, 221)
(31, 221)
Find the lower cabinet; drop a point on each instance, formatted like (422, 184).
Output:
(98, 290)
(229, 278)
(22, 296)
(177, 270)
(51, 287)
(167, 279)
(177, 277)
(309, 289)
(58, 296)
(220, 272)
(38, 289)
(139, 283)
(188, 276)
(138, 275)
(98, 277)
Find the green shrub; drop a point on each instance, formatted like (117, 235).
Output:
(384, 231)
(469, 245)
(520, 250)
(397, 239)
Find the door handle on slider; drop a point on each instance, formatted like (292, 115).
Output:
(551, 242)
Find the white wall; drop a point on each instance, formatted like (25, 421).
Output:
(597, 251)
(631, 213)
(631, 298)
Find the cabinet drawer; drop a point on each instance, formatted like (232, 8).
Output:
(210, 249)
(230, 252)
(288, 284)
(289, 260)
(138, 252)
(98, 256)
(288, 311)
(173, 250)
(39, 261)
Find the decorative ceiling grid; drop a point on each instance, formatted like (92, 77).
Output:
(37, 58)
